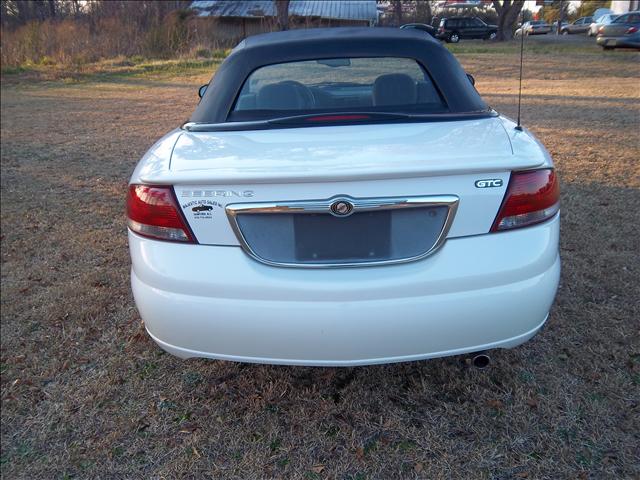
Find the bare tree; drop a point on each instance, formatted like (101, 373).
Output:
(76, 8)
(564, 10)
(397, 12)
(508, 11)
(282, 14)
(424, 12)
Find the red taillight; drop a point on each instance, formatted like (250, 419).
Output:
(153, 212)
(441, 30)
(337, 118)
(632, 30)
(532, 197)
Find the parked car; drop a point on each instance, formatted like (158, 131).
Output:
(581, 25)
(455, 28)
(373, 209)
(621, 33)
(421, 27)
(535, 27)
(600, 22)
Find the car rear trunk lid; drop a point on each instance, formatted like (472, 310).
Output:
(358, 152)
(235, 188)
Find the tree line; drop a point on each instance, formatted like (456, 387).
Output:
(15, 13)
(81, 31)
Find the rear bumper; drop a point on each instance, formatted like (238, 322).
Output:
(475, 293)
(617, 42)
(539, 31)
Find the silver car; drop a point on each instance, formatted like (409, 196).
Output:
(623, 32)
(581, 25)
(536, 27)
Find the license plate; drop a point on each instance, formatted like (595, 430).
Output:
(364, 236)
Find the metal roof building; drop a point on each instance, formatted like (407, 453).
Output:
(364, 11)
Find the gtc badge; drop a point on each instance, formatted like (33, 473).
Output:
(341, 208)
(489, 183)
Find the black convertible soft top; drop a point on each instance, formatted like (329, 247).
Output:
(323, 43)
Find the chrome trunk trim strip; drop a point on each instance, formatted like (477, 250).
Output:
(358, 205)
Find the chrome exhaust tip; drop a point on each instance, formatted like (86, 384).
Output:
(481, 361)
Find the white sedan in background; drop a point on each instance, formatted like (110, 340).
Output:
(343, 197)
(533, 27)
(599, 22)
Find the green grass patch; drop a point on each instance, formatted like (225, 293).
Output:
(513, 47)
(135, 67)
(14, 70)
(163, 68)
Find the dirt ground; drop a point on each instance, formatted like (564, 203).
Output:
(86, 394)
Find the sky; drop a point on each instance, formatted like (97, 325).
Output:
(531, 5)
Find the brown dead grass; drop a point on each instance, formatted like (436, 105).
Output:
(86, 394)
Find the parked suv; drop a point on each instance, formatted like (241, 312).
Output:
(581, 25)
(454, 28)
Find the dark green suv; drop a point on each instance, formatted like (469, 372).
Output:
(454, 28)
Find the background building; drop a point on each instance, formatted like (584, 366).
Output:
(238, 19)
(624, 6)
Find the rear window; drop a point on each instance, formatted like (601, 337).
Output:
(628, 18)
(381, 84)
(633, 18)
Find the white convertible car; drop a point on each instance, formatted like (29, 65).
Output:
(343, 197)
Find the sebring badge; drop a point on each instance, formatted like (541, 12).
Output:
(217, 193)
(489, 183)
(341, 208)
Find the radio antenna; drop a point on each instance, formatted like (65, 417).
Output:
(519, 126)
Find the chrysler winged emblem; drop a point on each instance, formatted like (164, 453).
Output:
(341, 208)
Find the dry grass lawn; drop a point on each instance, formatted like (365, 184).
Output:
(86, 394)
